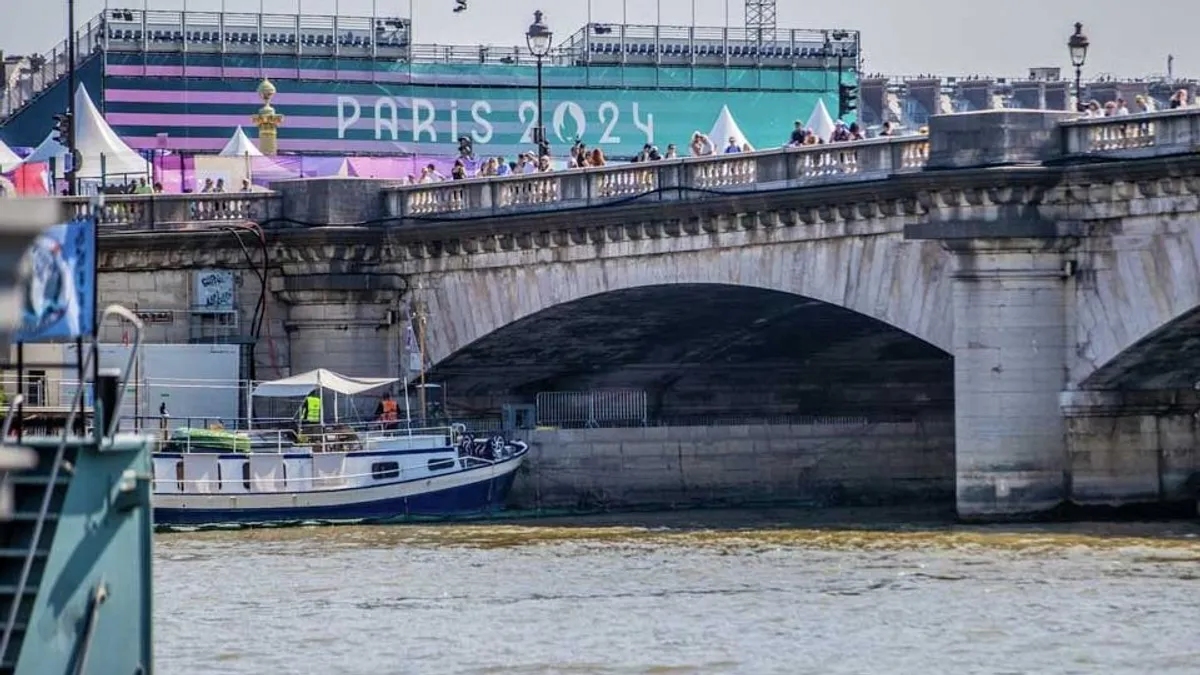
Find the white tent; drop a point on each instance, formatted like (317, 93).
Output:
(95, 139)
(726, 128)
(240, 146)
(46, 150)
(820, 121)
(305, 383)
(8, 159)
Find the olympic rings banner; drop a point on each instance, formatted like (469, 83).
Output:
(59, 296)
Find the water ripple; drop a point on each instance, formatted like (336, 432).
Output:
(692, 593)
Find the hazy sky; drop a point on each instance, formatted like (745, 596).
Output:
(953, 37)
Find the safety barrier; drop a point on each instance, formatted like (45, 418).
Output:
(616, 407)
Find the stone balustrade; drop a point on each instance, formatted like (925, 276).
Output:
(1165, 133)
(663, 180)
(164, 212)
(1170, 132)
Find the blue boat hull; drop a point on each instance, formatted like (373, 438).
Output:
(473, 499)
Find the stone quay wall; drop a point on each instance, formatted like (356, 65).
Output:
(679, 467)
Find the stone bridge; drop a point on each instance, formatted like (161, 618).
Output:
(1027, 280)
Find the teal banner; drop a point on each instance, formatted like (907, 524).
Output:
(363, 107)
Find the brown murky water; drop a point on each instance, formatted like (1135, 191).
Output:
(700, 592)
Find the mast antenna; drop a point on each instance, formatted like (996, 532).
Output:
(760, 21)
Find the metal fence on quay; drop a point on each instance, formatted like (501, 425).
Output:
(601, 408)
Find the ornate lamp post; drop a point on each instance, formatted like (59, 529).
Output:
(1078, 45)
(267, 120)
(539, 38)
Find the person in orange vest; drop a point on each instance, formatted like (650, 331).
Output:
(387, 411)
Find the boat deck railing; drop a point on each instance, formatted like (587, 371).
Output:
(331, 438)
(181, 484)
(61, 465)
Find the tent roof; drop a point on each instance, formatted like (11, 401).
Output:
(94, 138)
(820, 121)
(302, 384)
(46, 149)
(725, 128)
(8, 159)
(239, 145)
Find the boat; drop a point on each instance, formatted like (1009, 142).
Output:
(330, 471)
(75, 512)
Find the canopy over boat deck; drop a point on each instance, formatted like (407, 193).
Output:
(305, 383)
(298, 386)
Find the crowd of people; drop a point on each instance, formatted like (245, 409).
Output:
(1141, 104)
(466, 165)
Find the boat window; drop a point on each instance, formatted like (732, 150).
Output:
(441, 464)
(382, 470)
(220, 483)
(246, 475)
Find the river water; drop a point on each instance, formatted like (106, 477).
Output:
(698, 592)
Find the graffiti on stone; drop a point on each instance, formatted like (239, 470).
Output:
(213, 291)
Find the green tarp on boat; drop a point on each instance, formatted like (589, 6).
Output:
(193, 440)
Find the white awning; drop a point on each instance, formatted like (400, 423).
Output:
(301, 385)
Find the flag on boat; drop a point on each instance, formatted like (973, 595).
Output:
(412, 351)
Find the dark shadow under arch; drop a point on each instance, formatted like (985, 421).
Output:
(1168, 358)
(706, 350)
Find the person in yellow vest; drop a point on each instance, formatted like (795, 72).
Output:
(310, 411)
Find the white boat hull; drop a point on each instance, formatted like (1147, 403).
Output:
(470, 487)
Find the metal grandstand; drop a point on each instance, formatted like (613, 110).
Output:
(151, 32)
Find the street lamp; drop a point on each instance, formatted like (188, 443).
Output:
(1078, 44)
(70, 175)
(539, 38)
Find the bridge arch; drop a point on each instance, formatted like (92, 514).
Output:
(900, 283)
(1166, 358)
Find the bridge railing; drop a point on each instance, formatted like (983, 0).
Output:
(1155, 134)
(161, 212)
(663, 180)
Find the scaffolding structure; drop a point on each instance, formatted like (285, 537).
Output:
(760, 20)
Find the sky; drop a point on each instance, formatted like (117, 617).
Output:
(944, 37)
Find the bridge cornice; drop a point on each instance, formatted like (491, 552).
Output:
(1076, 193)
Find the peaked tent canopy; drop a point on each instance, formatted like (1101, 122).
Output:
(8, 159)
(95, 139)
(726, 128)
(46, 150)
(300, 385)
(820, 121)
(240, 145)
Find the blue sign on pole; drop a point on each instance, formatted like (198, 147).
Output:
(60, 296)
